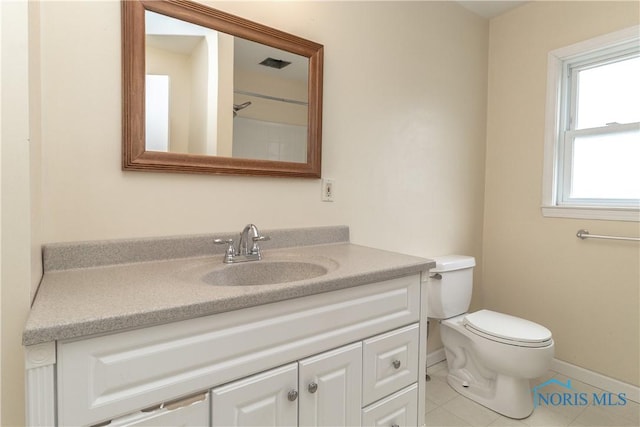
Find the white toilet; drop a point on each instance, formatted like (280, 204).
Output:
(491, 356)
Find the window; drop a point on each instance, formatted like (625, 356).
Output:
(157, 112)
(592, 147)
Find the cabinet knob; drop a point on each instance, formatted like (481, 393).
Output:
(293, 395)
(313, 387)
(396, 364)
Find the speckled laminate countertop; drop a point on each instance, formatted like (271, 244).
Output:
(78, 299)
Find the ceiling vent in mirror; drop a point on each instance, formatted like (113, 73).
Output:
(275, 63)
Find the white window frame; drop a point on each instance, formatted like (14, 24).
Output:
(553, 204)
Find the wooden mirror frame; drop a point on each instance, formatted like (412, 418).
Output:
(135, 156)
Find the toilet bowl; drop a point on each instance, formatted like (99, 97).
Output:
(490, 370)
(491, 356)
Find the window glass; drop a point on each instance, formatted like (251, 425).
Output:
(157, 114)
(608, 93)
(606, 166)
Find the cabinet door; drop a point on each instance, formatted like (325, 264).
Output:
(331, 388)
(265, 399)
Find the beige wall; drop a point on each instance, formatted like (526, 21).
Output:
(19, 195)
(403, 133)
(199, 112)
(586, 292)
(178, 68)
(403, 138)
(225, 95)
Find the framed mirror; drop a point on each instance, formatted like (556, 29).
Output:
(209, 92)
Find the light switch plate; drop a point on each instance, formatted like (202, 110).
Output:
(327, 190)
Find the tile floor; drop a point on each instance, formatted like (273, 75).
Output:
(445, 407)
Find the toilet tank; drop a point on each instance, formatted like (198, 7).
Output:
(450, 285)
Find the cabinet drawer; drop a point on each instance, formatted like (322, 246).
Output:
(399, 409)
(390, 362)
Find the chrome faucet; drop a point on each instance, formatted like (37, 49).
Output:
(247, 249)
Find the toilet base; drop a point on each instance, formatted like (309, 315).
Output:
(491, 373)
(505, 395)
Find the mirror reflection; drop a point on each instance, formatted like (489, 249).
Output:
(211, 93)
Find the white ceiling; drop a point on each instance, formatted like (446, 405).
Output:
(491, 9)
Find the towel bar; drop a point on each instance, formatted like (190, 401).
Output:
(584, 234)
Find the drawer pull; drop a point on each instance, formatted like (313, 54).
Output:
(150, 409)
(187, 401)
(313, 387)
(395, 425)
(396, 364)
(293, 395)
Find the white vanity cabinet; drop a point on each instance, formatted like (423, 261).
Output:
(322, 390)
(351, 357)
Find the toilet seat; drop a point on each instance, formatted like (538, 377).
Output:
(507, 329)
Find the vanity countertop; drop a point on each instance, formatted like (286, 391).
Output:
(81, 301)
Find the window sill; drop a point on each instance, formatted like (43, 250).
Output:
(590, 212)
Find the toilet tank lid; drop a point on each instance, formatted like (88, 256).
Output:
(453, 262)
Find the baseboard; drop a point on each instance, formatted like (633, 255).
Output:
(586, 376)
(435, 357)
(595, 379)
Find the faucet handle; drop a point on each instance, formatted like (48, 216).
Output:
(222, 241)
(255, 248)
(230, 251)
